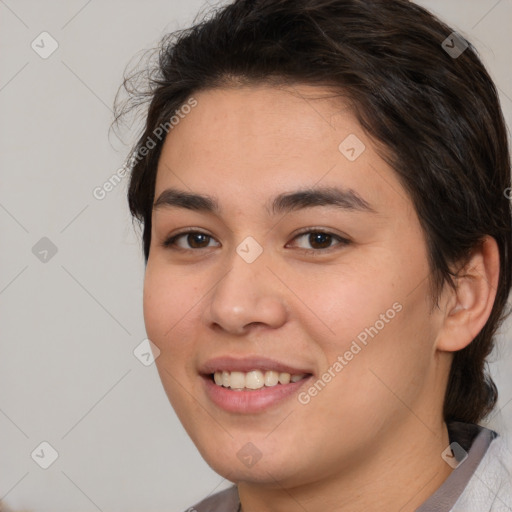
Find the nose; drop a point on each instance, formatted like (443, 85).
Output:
(248, 294)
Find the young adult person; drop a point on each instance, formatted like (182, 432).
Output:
(327, 233)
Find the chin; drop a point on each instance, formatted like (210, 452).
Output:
(260, 462)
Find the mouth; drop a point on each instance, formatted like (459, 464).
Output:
(254, 380)
(251, 385)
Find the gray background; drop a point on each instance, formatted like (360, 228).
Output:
(69, 325)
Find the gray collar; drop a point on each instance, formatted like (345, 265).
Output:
(475, 440)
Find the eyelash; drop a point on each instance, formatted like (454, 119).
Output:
(170, 242)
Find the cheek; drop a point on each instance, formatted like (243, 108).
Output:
(166, 298)
(169, 305)
(346, 301)
(384, 364)
(168, 302)
(381, 328)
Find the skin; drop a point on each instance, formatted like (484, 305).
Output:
(373, 437)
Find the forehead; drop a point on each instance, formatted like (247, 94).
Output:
(247, 117)
(250, 142)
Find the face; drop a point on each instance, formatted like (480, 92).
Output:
(302, 269)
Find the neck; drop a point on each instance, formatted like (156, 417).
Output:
(401, 475)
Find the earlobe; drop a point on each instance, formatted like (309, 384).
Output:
(470, 305)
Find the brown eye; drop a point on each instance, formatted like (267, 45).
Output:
(197, 240)
(188, 241)
(319, 241)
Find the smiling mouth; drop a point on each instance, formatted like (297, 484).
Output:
(254, 379)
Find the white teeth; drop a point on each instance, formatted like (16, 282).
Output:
(255, 379)
(271, 378)
(284, 378)
(236, 380)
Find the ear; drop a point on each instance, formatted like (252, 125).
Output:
(467, 308)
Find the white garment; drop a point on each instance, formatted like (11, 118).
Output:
(490, 487)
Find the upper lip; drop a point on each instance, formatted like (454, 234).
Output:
(246, 364)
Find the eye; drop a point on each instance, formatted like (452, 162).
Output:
(319, 241)
(194, 240)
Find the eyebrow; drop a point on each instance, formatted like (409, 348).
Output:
(346, 199)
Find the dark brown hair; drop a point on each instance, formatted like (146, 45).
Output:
(435, 116)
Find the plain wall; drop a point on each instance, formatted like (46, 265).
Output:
(69, 325)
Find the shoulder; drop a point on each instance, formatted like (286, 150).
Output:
(490, 487)
(223, 501)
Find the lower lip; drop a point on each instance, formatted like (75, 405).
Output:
(253, 401)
